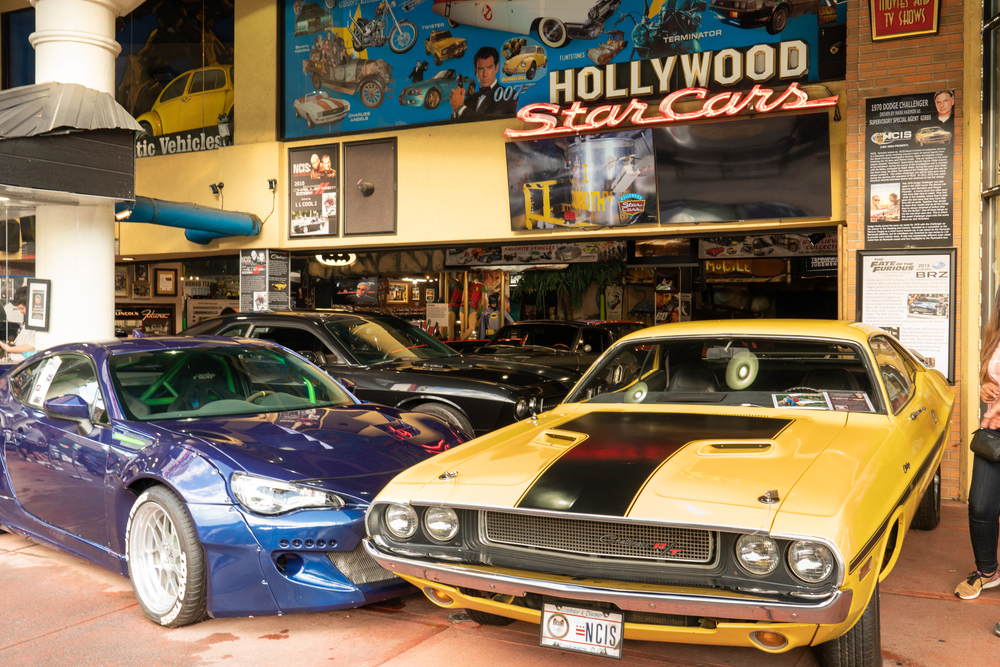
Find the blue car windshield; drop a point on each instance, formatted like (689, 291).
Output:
(218, 381)
(375, 338)
(751, 371)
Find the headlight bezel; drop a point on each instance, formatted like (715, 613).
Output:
(387, 522)
(829, 562)
(773, 546)
(525, 407)
(245, 489)
(427, 519)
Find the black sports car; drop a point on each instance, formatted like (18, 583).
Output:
(563, 345)
(383, 359)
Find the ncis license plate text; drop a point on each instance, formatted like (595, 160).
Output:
(582, 630)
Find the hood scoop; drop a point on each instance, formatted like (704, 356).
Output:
(739, 447)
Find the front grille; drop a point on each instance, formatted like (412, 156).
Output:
(359, 567)
(598, 538)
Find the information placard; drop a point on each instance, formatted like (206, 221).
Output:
(911, 294)
(910, 170)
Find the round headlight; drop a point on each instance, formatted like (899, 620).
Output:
(524, 407)
(810, 561)
(758, 554)
(401, 520)
(441, 523)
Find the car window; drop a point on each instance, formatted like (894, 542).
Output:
(66, 374)
(298, 340)
(23, 381)
(176, 88)
(236, 331)
(896, 375)
(597, 340)
(210, 79)
(374, 338)
(545, 335)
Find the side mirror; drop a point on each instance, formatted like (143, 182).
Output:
(315, 357)
(349, 385)
(70, 408)
(587, 348)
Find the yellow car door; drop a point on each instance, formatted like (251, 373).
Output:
(208, 97)
(171, 102)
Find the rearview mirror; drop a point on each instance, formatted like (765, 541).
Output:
(70, 408)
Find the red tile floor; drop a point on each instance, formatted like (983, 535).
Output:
(55, 609)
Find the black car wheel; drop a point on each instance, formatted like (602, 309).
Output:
(166, 562)
(552, 32)
(309, 123)
(531, 72)
(317, 82)
(928, 514)
(147, 128)
(861, 646)
(447, 414)
(779, 19)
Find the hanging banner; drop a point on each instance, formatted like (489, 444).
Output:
(911, 294)
(772, 245)
(363, 65)
(910, 170)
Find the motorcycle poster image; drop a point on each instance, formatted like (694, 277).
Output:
(348, 64)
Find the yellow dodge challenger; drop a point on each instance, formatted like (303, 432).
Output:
(729, 483)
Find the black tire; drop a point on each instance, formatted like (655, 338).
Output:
(928, 514)
(432, 99)
(531, 72)
(403, 28)
(793, 246)
(485, 618)
(861, 646)
(778, 22)
(309, 123)
(452, 24)
(317, 81)
(447, 414)
(437, 60)
(166, 562)
(147, 128)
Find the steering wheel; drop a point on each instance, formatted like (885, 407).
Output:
(260, 394)
(800, 389)
(558, 345)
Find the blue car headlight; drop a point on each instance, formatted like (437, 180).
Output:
(270, 496)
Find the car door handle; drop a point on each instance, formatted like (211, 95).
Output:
(185, 99)
(914, 415)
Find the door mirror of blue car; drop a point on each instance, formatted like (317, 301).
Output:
(349, 385)
(70, 408)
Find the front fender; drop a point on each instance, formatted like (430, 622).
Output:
(154, 121)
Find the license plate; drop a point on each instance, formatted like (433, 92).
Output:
(582, 630)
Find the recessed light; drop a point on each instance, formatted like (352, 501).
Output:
(128, 259)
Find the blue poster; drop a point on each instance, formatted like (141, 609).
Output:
(366, 65)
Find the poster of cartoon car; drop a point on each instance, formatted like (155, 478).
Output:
(528, 61)
(320, 108)
(430, 92)
(443, 46)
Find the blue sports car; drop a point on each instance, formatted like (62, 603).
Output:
(224, 477)
(432, 91)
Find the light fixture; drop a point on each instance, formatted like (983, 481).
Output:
(216, 187)
(337, 259)
(128, 259)
(4, 198)
(123, 214)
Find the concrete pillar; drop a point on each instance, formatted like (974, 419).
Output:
(74, 42)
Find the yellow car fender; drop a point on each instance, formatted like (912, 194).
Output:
(154, 121)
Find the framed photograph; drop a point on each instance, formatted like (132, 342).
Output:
(165, 282)
(313, 191)
(429, 294)
(141, 273)
(141, 290)
(398, 292)
(39, 298)
(121, 281)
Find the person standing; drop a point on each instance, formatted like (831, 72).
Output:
(984, 492)
(25, 341)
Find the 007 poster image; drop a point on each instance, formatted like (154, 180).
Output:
(363, 65)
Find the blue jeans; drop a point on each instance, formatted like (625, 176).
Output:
(984, 512)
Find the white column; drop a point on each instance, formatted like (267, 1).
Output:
(74, 42)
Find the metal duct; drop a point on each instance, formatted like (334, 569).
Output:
(203, 224)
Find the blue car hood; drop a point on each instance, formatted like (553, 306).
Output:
(355, 450)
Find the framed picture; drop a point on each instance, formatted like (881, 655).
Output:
(121, 281)
(140, 290)
(165, 282)
(892, 21)
(141, 273)
(398, 292)
(429, 294)
(314, 192)
(39, 298)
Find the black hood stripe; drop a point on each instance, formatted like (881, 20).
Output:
(604, 474)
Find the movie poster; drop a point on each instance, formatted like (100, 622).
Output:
(313, 196)
(362, 65)
(597, 180)
(910, 170)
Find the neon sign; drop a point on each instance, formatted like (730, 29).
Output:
(545, 116)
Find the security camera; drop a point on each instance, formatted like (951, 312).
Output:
(272, 183)
(216, 187)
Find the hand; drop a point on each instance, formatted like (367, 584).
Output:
(988, 392)
(457, 98)
(992, 417)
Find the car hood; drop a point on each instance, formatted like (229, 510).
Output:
(511, 374)
(548, 356)
(688, 465)
(427, 84)
(356, 449)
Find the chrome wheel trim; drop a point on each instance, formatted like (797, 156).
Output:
(159, 567)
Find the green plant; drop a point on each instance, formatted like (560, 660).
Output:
(570, 284)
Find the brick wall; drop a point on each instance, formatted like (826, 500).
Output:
(902, 67)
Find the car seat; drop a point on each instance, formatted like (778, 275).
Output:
(837, 379)
(693, 378)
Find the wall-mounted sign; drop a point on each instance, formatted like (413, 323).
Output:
(911, 294)
(746, 270)
(910, 170)
(600, 180)
(363, 65)
(264, 280)
(902, 18)
(314, 192)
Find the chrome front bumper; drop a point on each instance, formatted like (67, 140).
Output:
(711, 605)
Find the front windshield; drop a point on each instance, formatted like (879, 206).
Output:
(218, 381)
(445, 74)
(375, 338)
(545, 335)
(738, 370)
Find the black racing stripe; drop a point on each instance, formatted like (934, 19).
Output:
(604, 473)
